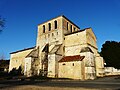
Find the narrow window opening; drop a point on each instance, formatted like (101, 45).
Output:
(71, 28)
(49, 26)
(73, 64)
(48, 35)
(64, 48)
(57, 33)
(55, 22)
(52, 34)
(63, 64)
(67, 25)
(74, 28)
(43, 28)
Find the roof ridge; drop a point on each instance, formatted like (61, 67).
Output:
(23, 50)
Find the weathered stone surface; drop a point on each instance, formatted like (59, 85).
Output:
(17, 59)
(57, 38)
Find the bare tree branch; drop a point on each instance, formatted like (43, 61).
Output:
(2, 56)
(2, 23)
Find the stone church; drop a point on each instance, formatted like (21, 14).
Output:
(62, 50)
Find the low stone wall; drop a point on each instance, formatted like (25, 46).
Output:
(109, 71)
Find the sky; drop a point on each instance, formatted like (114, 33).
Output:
(23, 16)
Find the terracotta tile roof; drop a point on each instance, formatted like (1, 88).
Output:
(72, 58)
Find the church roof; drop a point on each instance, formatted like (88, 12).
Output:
(22, 50)
(72, 58)
(33, 53)
(77, 31)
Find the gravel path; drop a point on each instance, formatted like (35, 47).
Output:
(32, 87)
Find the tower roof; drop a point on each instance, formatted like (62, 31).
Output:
(60, 16)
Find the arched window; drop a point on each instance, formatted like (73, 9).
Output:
(43, 28)
(55, 23)
(49, 26)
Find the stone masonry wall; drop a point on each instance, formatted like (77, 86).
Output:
(17, 59)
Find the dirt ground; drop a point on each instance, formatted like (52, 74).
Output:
(32, 87)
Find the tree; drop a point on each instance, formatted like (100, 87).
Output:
(16, 72)
(2, 23)
(110, 51)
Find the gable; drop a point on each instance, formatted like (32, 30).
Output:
(90, 32)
